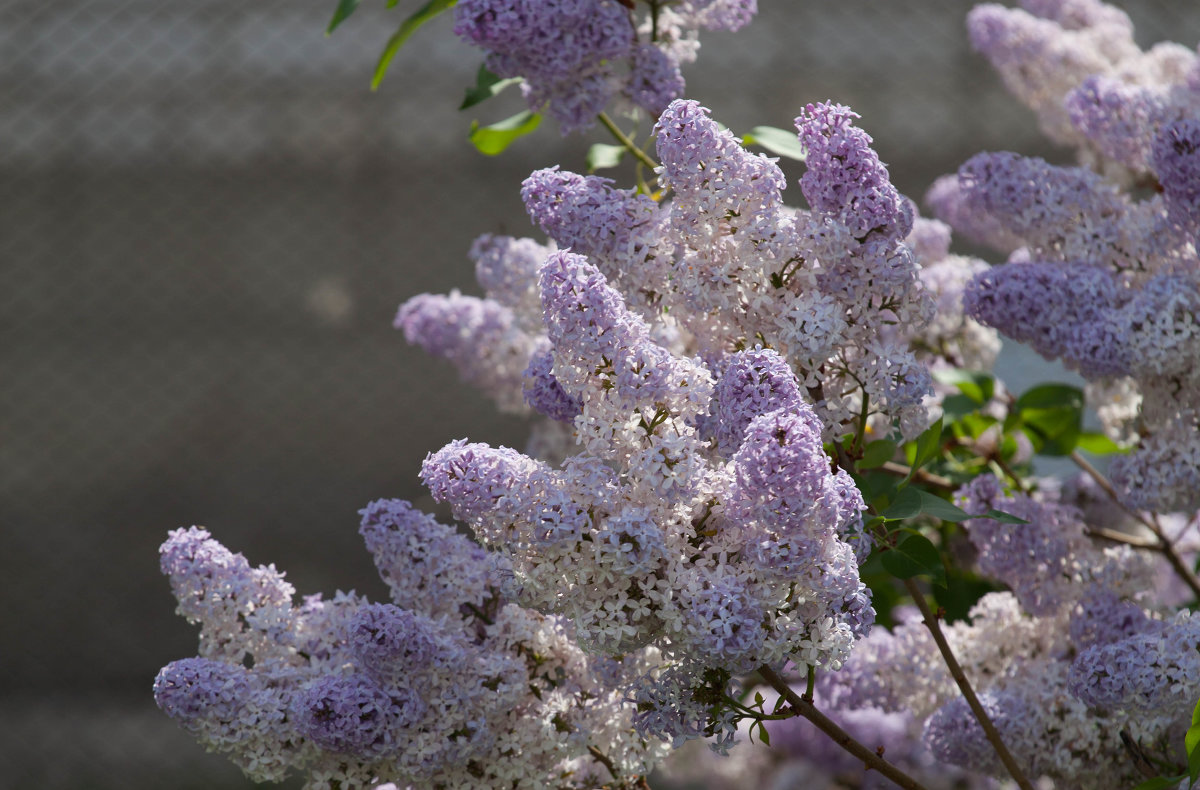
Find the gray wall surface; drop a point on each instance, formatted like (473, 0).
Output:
(207, 220)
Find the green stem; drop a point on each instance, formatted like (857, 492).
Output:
(624, 140)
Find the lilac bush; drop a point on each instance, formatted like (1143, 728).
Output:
(775, 492)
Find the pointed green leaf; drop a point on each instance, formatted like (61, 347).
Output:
(1050, 396)
(344, 9)
(763, 735)
(1191, 741)
(935, 506)
(1161, 782)
(1005, 518)
(603, 155)
(907, 504)
(404, 33)
(1099, 444)
(915, 556)
(486, 86)
(493, 139)
(877, 454)
(926, 447)
(976, 385)
(780, 142)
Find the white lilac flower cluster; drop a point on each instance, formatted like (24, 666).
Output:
(1102, 272)
(448, 686)
(575, 56)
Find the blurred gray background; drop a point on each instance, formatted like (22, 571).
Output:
(207, 221)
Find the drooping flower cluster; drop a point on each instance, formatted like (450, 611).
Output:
(1098, 275)
(449, 685)
(575, 56)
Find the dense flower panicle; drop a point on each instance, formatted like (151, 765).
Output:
(752, 383)
(565, 50)
(953, 335)
(616, 229)
(1102, 617)
(1042, 58)
(1175, 156)
(428, 567)
(949, 201)
(1153, 672)
(954, 735)
(577, 55)
(506, 268)
(542, 391)
(480, 336)
(845, 178)
(357, 694)
(1060, 310)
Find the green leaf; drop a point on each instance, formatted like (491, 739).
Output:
(957, 407)
(876, 454)
(927, 446)
(493, 139)
(603, 155)
(1191, 740)
(976, 385)
(935, 506)
(907, 504)
(1161, 782)
(404, 32)
(780, 142)
(1004, 518)
(1052, 417)
(915, 556)
(486, 86)
(344, 9)
(763, 735)
(1099, 444)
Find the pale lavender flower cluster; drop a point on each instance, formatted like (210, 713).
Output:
(1098, 275)
(450, 685)
(735, 267)
(575, 56)
(723, 556)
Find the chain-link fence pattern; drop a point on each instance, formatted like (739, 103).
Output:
(206, 222)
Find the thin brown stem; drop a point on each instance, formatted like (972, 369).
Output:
(624, 140)
(964, 685)
(839, 736)
(604, 760)
(920, 475)
(1163, 544)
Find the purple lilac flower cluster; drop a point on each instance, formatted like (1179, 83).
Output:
(1098, 274)
(449, 685)
(576, 56)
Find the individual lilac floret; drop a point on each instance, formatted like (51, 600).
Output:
(954, 735)
(542, 391)
(1061, 310)
(564, 50)
(1038, 560)
(845, 178)
(427, 565)
(480, 336)
(753, 383)
(1148, 673)
(1176, 160)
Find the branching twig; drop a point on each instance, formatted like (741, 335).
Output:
(604, 760)
(1163, 545)
(839, 736)
(964, 685)
(624, 140)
